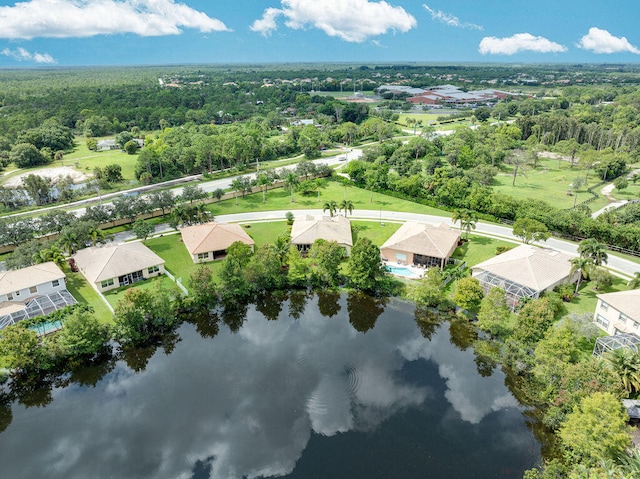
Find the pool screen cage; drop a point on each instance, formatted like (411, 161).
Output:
(40, 306)
(515, 292)
(617, 341)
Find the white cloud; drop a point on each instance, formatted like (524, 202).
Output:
(601, 41)
(519, 42)
(449, 19)
(72, 18)
(350, 20)
(23, 55)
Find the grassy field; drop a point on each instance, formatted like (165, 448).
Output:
(86, 160)
(280, 199)
(549, 182)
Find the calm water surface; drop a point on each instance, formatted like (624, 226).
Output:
(323, 391)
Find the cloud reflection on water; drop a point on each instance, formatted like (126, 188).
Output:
(250, 400)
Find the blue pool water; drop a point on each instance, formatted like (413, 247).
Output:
(401, 271)
(46, 328)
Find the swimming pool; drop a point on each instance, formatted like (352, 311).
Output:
(402, 271)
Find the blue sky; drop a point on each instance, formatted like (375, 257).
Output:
(130, 32)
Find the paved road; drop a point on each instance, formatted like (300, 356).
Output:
(616, 264)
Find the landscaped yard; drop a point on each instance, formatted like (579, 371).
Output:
(479, 249)
(586, 300)
(173, 251)
(85, 294)
(116, 295)
(376, 232)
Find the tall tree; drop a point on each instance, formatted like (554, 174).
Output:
(365, 269)
(529, 230)
(330, 206)
(593, 249)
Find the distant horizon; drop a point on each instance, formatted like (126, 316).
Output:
(474, 63)
(169, 32)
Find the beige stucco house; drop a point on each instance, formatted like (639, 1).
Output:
(619, 312)
(307, 229)
(111, 266)
(33, 291)
(209, 241)
(525, 272)
(421, 244)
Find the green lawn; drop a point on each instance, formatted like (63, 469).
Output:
(479, 249)
(115, 295)
(586, 300)
(549, 182)
(266, 232)
(280, 199)
(177, 259)
(373, 230)
(86, 160)
(84, 293)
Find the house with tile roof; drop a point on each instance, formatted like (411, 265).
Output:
(113, 265)
(307, 229)
(525, 272)
(31, 292)
(422, 244)
(619, 313)
(209, 241)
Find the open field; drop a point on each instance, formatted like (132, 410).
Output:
(280, 199)
(87, 160)
(549, 182)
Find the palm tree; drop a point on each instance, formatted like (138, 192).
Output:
(96, 234)
(468, 221)
(319, 185)
(346, 205)
(626, 364)
(581, 264)
(591, 248)
(332, 206)
(634, 283)
(68, 242)
(237, 185)
(54, 254)
(457, 216)
(291, 180)
(264, 180)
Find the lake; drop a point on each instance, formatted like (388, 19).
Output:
(306, 386)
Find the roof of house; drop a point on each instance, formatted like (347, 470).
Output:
(627, 302)
(213, 237)
(436, 240)
(15, 280)
(308, 229)
(100, 263)
(528, 265)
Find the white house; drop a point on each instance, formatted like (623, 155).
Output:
(525, 272)
(33, 291)
(619, 312)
